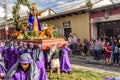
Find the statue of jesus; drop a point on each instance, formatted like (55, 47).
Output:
(33, 21)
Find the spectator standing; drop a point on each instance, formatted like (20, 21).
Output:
(97, 47)
(74, 44)
(79, 46)
(115, 55)
(91, 46)
(107, 52)
(85, 46)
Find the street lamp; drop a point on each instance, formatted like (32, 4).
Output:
(106, 14)
(6, 25)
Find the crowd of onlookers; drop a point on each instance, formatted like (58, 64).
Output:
(104, 47)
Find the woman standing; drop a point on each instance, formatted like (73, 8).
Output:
(107, 52)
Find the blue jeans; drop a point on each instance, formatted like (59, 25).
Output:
(74, 48)
(97, 54)
(116, 58)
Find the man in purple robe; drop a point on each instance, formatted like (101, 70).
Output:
(16, 53)
(25, 49)
(2, 45)
(10, 54)
(31, 48)
(24, 69)
(3, 69)
(20, 49)
(46, 54)
(39, 59)
(5, 53)
(64, 59)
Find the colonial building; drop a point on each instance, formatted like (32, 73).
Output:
(74, 21)
(105, 20)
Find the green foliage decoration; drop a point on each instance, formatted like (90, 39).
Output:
(15, 12)
(55, 34)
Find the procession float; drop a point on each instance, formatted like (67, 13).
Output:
(32, 30)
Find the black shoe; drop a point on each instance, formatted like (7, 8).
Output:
(94, 59)
(69, 72)
(98, 59)
(64, 71)
(58, 78)
(50, 78)
(61, 71)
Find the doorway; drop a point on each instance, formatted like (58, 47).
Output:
(67, 31)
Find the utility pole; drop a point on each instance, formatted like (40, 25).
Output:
(6, 16)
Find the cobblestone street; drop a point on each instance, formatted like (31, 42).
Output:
(80, 62)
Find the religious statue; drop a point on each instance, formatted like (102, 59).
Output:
(33, 21)
(33, 30)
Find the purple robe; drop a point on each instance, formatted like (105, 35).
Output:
(25, 50)
(15, 55)
(20, 50)
(17, 73)
(31, 21)
(64, 59)
(47, 63)
(30, 51)
(39, 59)
(20, 75)
(11, 57)
(2, 70)
(2, 49)
(5, 57)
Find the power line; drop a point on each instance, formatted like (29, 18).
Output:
(58, 4)
(79, 4)
(55, 4)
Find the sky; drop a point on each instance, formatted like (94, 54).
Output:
(56, 5)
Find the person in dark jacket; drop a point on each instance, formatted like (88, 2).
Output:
(54, 53)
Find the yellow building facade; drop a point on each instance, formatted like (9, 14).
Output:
(75, 23)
